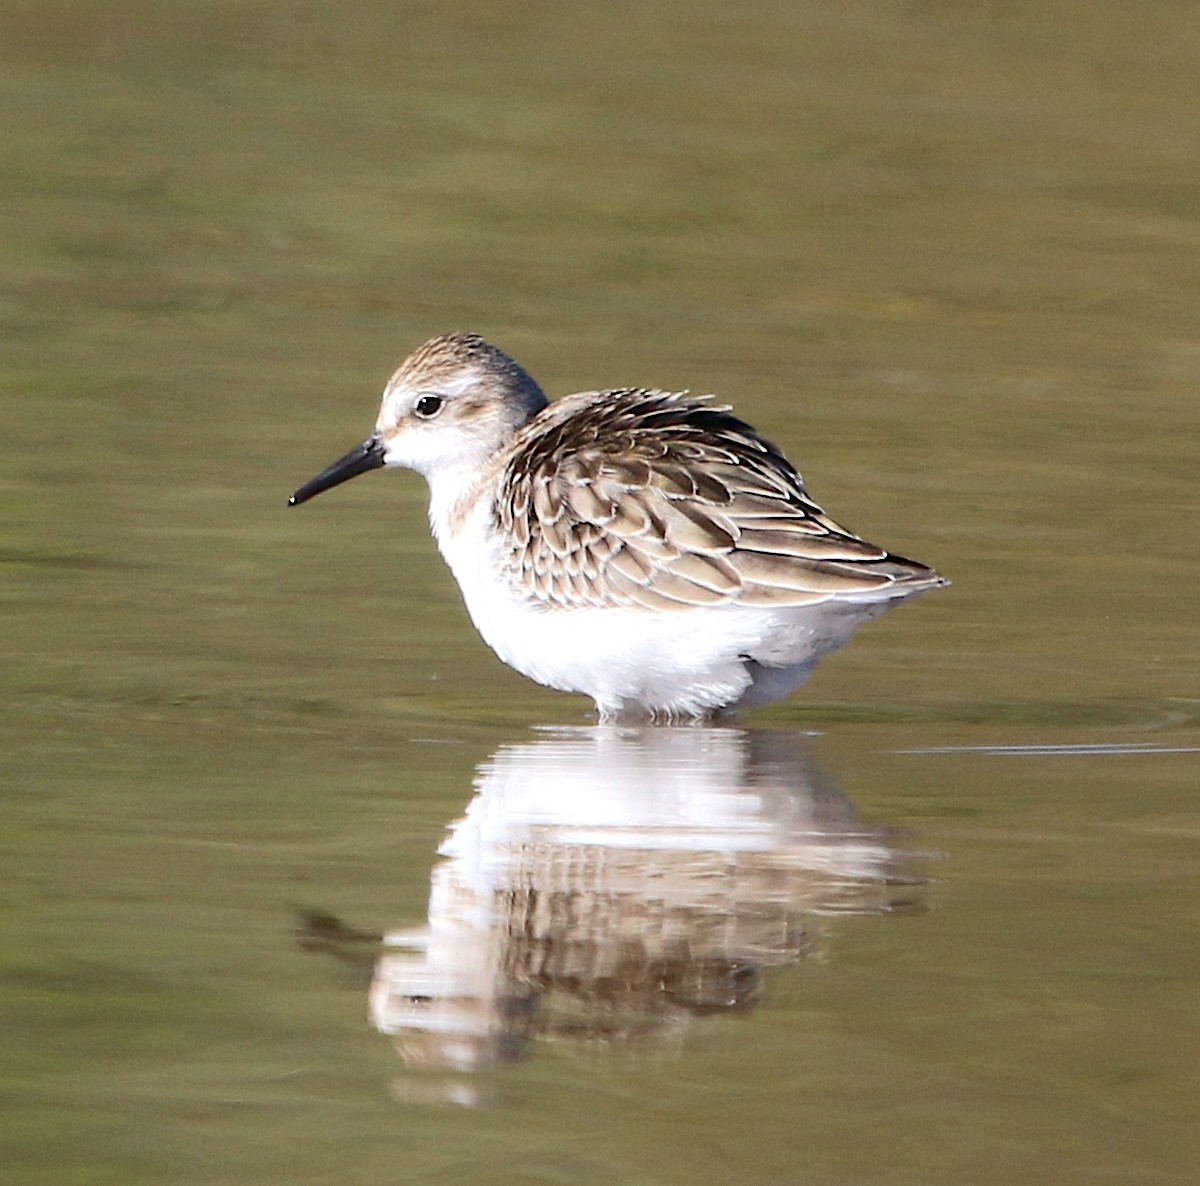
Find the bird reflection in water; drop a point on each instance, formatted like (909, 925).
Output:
(611, 885)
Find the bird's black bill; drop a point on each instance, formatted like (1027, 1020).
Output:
(368, 455)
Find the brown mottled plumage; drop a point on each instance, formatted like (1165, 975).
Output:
(647, 498)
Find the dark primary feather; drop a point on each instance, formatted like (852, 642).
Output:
(659, 500)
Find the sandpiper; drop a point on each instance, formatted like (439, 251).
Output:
(643, 547)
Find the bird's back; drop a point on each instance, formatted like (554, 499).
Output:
(638, 498)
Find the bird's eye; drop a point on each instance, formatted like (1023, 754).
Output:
(428, 406)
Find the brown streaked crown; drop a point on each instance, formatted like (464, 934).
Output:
(449, 354)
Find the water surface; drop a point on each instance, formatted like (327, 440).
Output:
(947, 259)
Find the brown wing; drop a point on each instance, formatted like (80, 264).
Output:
(652, 499)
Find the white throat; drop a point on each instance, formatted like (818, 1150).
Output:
(458, 508)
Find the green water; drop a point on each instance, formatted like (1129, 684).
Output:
(946, 256)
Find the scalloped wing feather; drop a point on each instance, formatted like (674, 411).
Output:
(663, 501)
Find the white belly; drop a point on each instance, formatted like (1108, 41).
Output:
(686, 663)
